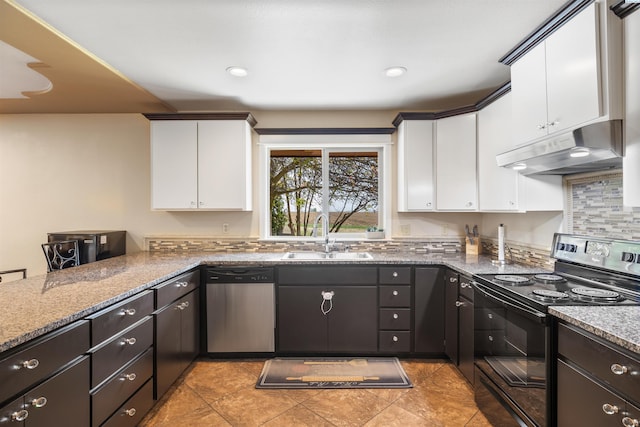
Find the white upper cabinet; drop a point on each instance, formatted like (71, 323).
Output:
(174, 164)
(569, 79)
(415, 166)
(456, 186)
(631, 162)
(201, 164)
(497, 187)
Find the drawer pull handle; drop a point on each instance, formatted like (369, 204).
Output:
(619, 369)
(127, 312)
(609, 409)
(182, 284)
(183, 305)
(131, 412)
(630, 422)
(395, 274)
(465, 285)
(20, 415)
(453, 279)
(395, 338)
(395, 315)
(39, 402)
(395, 293)
(459, 304)
(130, 341)
(131, 377)
(31, 364)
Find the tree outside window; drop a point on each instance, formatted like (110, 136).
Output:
(298, 190)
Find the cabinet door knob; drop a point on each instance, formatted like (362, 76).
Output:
(31, 363)
(20, 415)
(542, 126)
(127, 312)
(618, 369)
(130, 341)
(395, 274)
(459, 304)
(395, 315)
(609, 409)
(131, 377)
(429, 204)
(39, 402)
(630, 422)
(395, 293)
(453, 279)
(131, 412)
(395, 338)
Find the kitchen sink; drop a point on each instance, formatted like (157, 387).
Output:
(332, 256)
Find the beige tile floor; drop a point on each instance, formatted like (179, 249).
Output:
(223, 393)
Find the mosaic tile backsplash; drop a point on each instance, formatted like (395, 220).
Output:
(596, 209)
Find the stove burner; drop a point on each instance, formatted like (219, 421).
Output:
(546, 295)
(594, 294)
(510, 279)
(549, 278)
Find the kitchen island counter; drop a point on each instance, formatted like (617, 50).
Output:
(619, 325)
(37, 305)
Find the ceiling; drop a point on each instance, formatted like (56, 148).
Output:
(167, 55)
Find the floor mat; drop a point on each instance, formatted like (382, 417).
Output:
(331, 372)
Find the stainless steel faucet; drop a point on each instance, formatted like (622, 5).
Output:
(325, 228)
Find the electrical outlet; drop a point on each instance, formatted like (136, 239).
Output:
(225, 228)
(405, 229)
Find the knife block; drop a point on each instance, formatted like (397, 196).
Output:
(473, 249)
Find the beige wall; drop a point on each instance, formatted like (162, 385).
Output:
(89, 171)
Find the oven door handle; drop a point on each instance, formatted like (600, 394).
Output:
(526, 311)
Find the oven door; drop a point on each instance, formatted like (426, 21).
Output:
(511, 354)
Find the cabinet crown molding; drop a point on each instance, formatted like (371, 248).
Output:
(203, 116)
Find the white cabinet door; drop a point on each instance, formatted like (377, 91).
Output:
(456, 186)
(174, 169)
(529, 96)
(497, 187)
(631, 162)
(573, 89)
(557, 85)
(415, 166)
(224, 165)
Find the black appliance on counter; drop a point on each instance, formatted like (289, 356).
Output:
(94, 245)
(514, 342)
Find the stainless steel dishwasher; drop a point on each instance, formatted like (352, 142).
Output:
(240, 310)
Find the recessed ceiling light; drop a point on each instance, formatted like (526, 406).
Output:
(237, 71)
(395, 71)
(519, 166)
(580, 152)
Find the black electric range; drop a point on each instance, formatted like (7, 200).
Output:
(588, 271)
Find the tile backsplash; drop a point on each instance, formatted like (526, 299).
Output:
(595, 208)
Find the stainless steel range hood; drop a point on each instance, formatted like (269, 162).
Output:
(595, 147)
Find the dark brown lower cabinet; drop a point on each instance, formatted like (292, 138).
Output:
(459, 323)
(429, 310)
(177, 339)
(347, 322)
(62, 400)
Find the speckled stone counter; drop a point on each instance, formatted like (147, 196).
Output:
(40, 304)
(620, 325)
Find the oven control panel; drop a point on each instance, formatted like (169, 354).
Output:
(612, 254)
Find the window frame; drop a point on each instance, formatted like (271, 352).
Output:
(360, 142)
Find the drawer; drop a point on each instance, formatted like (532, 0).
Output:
(466, 289)
(108, 322)
(114, 354)
(395, 341)
(325, 275)
(120, 387)
(41, 359)
(395, 296)
(600, 360)
(174, 289)
(134, 409)
(395, 275)
(395, 318)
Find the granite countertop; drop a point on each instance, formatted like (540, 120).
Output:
(619, 325)
(40, 304)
